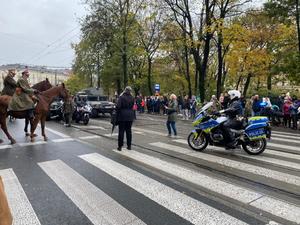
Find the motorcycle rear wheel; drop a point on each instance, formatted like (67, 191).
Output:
(199, 143)
(255, 147)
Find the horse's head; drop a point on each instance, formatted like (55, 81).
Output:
(64, 93)
(43, 85)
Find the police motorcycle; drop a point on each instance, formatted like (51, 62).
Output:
(82, 113)
(208, 130)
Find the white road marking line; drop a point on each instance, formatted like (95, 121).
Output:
(283, 154)
(229, 190)
(5, 146)
(62, 140)
(279, 208)
(94, 203)
(272, 152)
(19, 204)
(136, 129)
(285, 136)
(32, 143)
(286, 133)
(289, 140)
(90, 137)
(89, 127)
(287, 147)
(224, 188)
(283, 177)
(111, 135)
(57, 133)
(184, 206)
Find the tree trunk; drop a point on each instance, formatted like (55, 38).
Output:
(220, 65)
(149, 60)
(238, 83)
(269, 82)
(98, 70)
(258, 84)
(187, 63)
(119, 90)
(247, 84)
(196, 80)
(298, 23)
(124, 59)
(203, 70)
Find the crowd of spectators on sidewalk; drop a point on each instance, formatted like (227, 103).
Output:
(281, 111)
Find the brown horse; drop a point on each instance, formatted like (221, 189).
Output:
(41, 110)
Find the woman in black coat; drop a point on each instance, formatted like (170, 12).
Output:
(125, 116)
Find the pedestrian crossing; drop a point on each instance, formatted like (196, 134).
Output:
(274, 168)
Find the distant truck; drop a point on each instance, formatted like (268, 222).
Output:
(99, 103)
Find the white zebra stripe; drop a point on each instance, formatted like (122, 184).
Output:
(175, 201)
(274, 206)
(289, 140)
(224, 188)
(21, 209)
(94, 203)
(287, 178)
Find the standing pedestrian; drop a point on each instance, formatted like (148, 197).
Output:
(125, 116)
(68, 108)
(287, 113)
(186, 108)
(10, 84)
(172, 115)
(294, 114)
(256, 106)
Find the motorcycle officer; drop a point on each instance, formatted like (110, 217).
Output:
(233, 111)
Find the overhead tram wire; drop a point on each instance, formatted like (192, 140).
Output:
(51, 52)
(57, 40)
(23, 39)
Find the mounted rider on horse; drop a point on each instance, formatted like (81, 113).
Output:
(23, 98)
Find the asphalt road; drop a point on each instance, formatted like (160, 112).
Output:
(78, 178)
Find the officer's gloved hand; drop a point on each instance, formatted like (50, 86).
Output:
(36, 92)
(217, 113)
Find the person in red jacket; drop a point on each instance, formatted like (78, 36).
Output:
(287, 113)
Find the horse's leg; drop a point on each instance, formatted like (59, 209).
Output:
(26, 127)
(33, 125)
(4, 128)
(43, 121)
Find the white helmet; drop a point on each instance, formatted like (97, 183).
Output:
(234, 94)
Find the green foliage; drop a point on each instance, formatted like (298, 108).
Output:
(120, 40)
(75, 83)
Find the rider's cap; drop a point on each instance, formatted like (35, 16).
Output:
(25, 72)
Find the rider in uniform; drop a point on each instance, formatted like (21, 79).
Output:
(22, 99)
(9, 83)
(233, 111)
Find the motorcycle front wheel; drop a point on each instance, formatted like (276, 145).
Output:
(255, 147)
(198, 143)
(86, 120)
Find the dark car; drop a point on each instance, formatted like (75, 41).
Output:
(55, 110)
(100, 105)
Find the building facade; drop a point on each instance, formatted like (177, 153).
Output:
(37, 74)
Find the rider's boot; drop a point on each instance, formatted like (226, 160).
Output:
(30, 114)
(231, 143)
(1, 141)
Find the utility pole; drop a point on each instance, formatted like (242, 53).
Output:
(55, 78)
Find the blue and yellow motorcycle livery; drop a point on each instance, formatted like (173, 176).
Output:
(208, 130)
